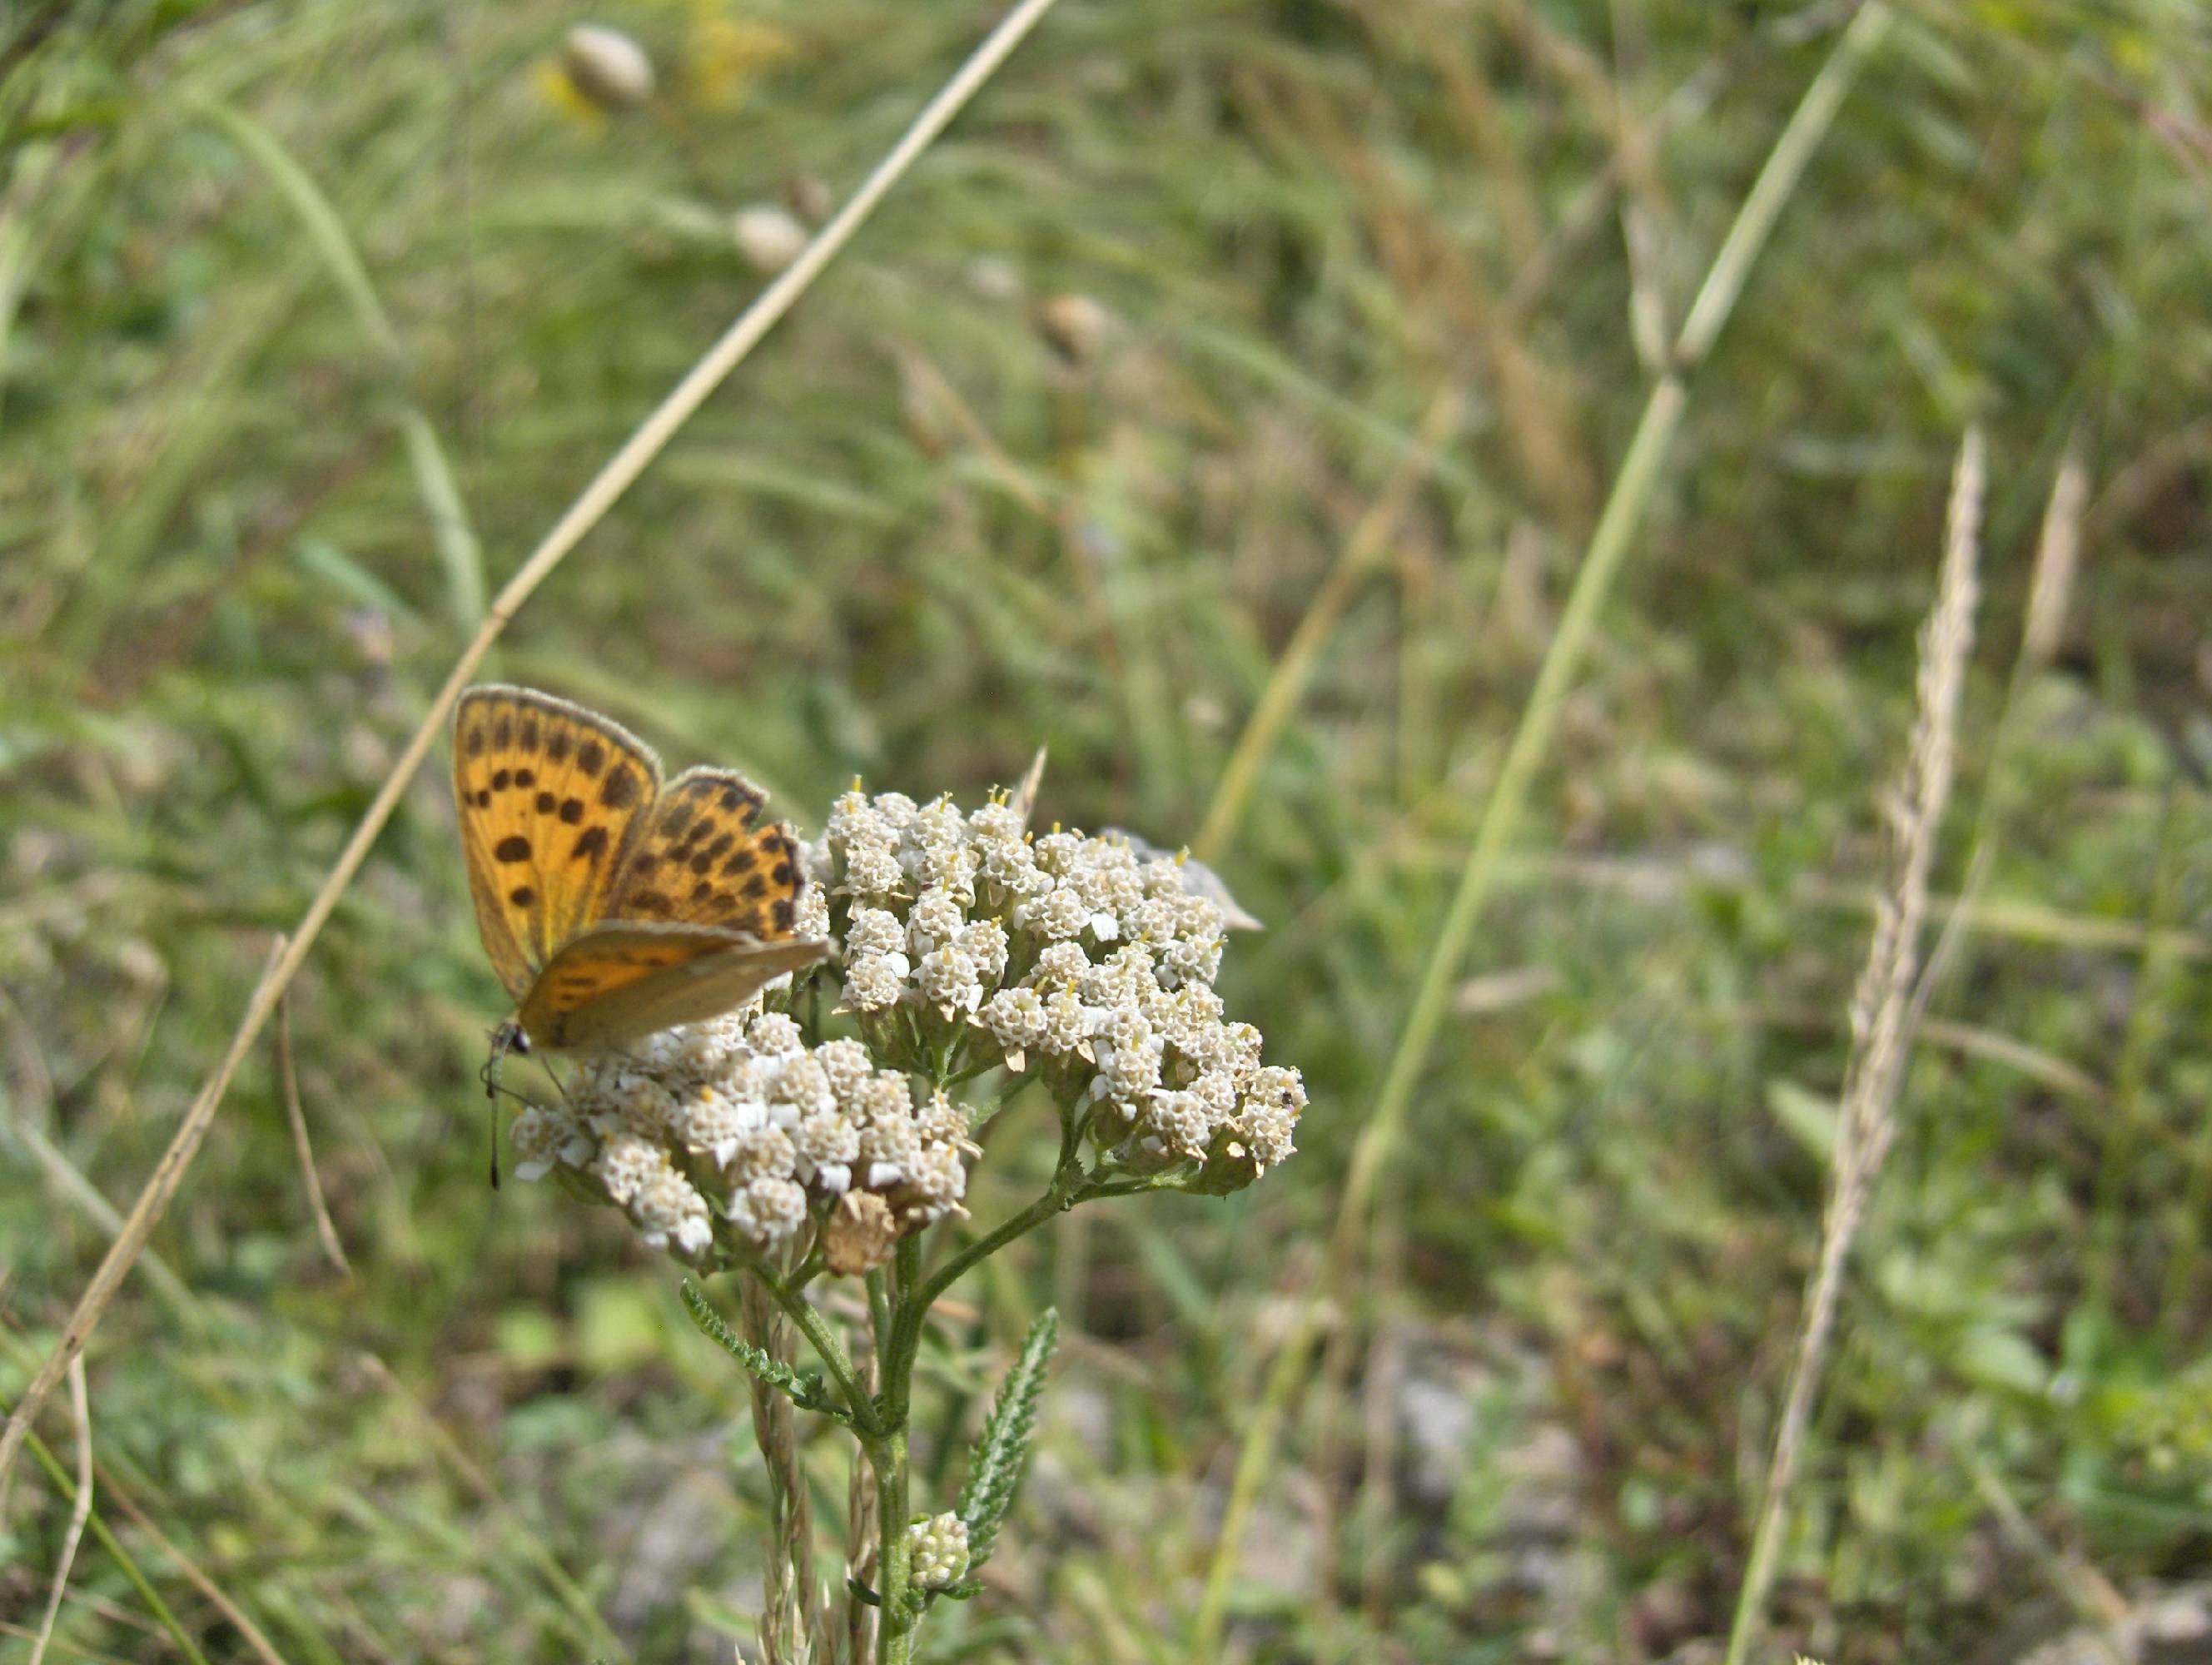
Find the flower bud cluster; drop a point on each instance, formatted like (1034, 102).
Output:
(737, 1127)
(939, 1543)
(1077, 957)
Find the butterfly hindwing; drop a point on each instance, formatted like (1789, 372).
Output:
(625, 979)
(551, 799)
(702, 859)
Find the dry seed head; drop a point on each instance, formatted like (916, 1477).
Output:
(607, 67)
(1076, 325)
(769, 238)
(859, 1234)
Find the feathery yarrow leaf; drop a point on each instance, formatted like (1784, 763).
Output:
(1002, 1449)
(806, 1391)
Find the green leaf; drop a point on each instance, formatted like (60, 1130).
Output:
(1002, 1449)
(806, 1391)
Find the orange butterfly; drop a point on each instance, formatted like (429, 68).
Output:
(612, 906)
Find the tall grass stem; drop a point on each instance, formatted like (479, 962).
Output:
(1362, 553)
(1618, 525)
(1621, 518)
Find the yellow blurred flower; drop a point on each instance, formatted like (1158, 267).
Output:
(727, 54)
(557, 90)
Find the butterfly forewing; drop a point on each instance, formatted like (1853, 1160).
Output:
(625, 979)
(700, 858)
(551, 797)
(612, 908)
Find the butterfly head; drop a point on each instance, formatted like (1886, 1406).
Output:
(509, 1037)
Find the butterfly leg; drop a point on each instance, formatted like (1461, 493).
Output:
(507, 1037)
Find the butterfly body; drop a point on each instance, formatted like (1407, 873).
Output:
(611, 905)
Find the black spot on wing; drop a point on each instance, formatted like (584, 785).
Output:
(619, 790)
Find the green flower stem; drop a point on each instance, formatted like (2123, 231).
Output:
(899, 1298)
(894, 1555)
(831, 1351)
(910, 1298)
(888, 1456)
(1058, 1197)
(806, 1271)
(1134, 1188)
(879, 1310)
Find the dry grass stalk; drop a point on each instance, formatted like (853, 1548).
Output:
(2085, 1590)
(616, 477)
(1884, 1010)
(79, 1511)
(2057, 558)
(288, 1078)
(788, 1592)
(862, 1529)
(1384, 1391)
(1370, 543)
(2051, 590)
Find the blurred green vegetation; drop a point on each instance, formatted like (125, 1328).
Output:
(948, 514)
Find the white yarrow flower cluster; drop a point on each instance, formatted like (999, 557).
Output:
(969, 945)
(738, 1119)
(1077, 957)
